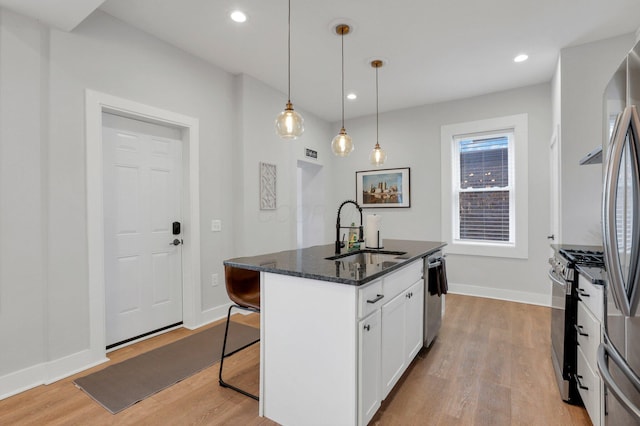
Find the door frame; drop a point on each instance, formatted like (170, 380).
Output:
(95, 104)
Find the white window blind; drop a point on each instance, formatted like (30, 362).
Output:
(484, 188)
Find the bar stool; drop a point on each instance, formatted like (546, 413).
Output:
(243, 288)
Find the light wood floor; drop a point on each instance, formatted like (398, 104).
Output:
(490, 365)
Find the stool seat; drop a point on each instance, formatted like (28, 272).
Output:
(243, 286)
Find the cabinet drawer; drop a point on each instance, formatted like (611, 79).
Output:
(589, 387)
(396, 282)
(592, 296)
(589, 334)
(369, 298)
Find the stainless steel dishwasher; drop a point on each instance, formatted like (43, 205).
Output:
(433, 268)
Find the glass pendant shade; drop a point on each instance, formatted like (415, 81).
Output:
(289, 124)
(377, 156)
(342, 145)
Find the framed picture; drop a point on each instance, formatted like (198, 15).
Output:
(268, 181)
(383, 188)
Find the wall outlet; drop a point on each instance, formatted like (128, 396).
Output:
(216, 225)
(214, 280)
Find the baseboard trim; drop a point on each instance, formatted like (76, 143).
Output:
(46, 373)
(49, 372)
(212, 315)
(69, 365)
(500, 294)
(22, 380)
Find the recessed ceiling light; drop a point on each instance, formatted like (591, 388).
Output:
(352, 96)
(238, 16)
(521, 58)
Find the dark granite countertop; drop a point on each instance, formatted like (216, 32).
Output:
(311, 262)
(595, 275)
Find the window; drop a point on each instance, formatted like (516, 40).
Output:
(483, 193)
(484, 187)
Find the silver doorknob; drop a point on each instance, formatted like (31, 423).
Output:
(176, 242)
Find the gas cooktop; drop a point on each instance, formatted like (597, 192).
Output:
(584, 257)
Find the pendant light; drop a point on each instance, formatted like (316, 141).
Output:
(289, 124)
(377, 156)
(342, 145)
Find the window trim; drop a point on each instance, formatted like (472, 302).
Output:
(448, 133)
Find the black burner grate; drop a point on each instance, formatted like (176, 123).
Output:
(584, 257)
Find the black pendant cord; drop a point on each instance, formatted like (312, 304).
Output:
(289, 55)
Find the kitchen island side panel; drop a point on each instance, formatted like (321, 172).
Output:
(309, 351)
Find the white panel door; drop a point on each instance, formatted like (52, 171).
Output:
(143, 269)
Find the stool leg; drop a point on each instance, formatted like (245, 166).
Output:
(224, 346)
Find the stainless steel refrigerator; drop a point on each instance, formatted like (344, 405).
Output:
(619, 354)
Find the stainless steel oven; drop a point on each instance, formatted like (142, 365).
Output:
(563, 316)
(564, 307)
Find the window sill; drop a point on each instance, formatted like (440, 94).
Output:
(488, 249)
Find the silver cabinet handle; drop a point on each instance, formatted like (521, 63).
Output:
(377, 298)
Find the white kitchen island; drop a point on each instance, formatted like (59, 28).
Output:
(337, 335)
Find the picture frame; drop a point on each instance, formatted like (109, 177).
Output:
(268, 181)
(384, 188)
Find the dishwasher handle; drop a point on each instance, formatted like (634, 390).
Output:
(434, 264)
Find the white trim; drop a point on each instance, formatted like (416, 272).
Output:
(519, 124)
(501, 294)
(22, 380)
(217, 313)
(96, 104)
(46, 373)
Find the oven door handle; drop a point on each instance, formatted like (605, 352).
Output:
(559, 281)
(603, 350)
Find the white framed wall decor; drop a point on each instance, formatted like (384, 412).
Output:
(268, 181)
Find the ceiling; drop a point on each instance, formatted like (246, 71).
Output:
(434, 50)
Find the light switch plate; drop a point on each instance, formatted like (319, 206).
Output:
(214, 280)
(216, 225)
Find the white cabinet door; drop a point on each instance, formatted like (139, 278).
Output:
(393, 342)
(369, 367)
(414, 321)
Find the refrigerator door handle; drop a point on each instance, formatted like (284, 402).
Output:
(634, 293)
(627, 121)
(603, 350)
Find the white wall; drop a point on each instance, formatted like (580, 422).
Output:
(266, 231)
(411, 138)
(44, 293)
(23, 199)
(585, 71)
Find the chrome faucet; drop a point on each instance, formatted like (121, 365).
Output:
(340, 244)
